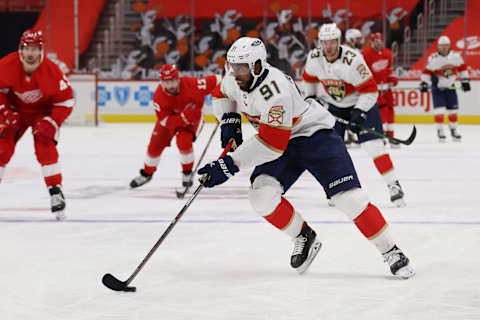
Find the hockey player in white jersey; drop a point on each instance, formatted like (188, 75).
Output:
(353, 39)
(293, 136)
(341, 79)
(441, 71)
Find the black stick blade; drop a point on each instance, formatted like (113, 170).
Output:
(412, 136)
(113, 283)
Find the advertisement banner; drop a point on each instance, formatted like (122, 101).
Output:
(131, 101)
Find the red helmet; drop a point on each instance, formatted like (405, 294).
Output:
(169, 72)
(376, 35)
(30, 38)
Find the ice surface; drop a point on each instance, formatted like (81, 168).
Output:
(222, 261)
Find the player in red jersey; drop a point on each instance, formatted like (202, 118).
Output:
(178, 103)
(34, 93)
(379, 60)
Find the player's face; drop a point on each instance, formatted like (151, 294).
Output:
(377, 44)
(30, 57)
(443, 49)
(357, 43)
(171, 86)
(330, 48)
(242, 75)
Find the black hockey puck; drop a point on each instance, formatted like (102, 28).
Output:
(130, 289)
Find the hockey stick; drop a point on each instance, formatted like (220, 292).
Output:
(378, 134)
(115, 284)
(181, 194)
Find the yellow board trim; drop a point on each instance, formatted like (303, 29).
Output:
(399, 118)
(462, 119)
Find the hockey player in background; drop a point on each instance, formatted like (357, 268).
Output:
(293, 136)
(441, 71)
(380, 61)
(354, 39)
(178, 103)
(340, 78)
(34, 93)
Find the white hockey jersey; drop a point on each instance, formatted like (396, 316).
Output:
(277, 111)
(445, 68)
(346, 82)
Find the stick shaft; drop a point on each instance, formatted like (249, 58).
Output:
(172, 224)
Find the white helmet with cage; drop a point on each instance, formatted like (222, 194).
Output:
(329, 31)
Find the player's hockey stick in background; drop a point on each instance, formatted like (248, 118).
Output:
(378, 134)
(113, 283)
(181, 194)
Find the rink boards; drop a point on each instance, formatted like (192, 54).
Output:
(131, 101)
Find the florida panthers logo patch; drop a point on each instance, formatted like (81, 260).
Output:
(448, 70)
(336, 89)
(275, 115)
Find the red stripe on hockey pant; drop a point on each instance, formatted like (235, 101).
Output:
(383, 163)
(53, 180)
(149, 170)
(389, 133)
(370, 222)
(439, 118)
(453, 117)
(187, 167)
(185, 141)
(275, 137)
(282, 215)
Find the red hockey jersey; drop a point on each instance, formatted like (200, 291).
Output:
(381, 65)
(45, 92)
(191, 97)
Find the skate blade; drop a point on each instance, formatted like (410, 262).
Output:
(60, 215)
(314, 249)
(400, 203)
(405, 273)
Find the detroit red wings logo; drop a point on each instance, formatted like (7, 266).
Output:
(380, 65)
(31, 96)
(275, 115)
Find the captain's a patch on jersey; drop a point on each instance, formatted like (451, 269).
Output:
(275, 115)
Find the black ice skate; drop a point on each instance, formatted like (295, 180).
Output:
(187, 178)
(140, 180)
(441, 136)
(57, 202)
(399, 264)
(396, 194)
(305, 250)
(455, 135)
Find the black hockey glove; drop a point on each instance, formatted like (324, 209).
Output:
(357, 118)
(465, 85)
(231, 127)
(423, 86)
(218, 171)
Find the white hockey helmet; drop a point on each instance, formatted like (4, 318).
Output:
(329, 31)
(444, 40)
(352, 34)
(247, 50)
